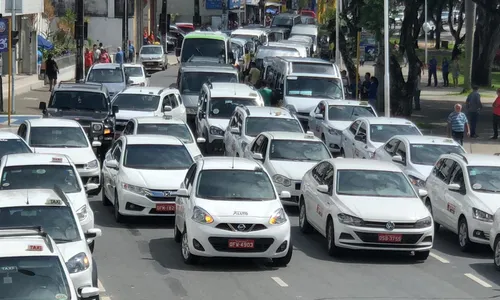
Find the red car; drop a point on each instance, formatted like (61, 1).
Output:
(186, 27)
(308, 13)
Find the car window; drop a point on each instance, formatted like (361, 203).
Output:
(381, 133)
(115, 75)
(58, 137)
(362, 129)
(78, 100)
(129, 129)
(180, 131)
(319, 172)
(373, 183)
(328, 180)
(485, 179)
(191, 170)
(401, 151)
(117, 153)
(256, 125)
(256, 145)
(390, 147)
(13, 146)
(428, 154)
(157, 157)
(137, 102)
(444, 171)
(223, 108)
(134, 72)
(293, 150)
(191, 82)
(458, 177)
(354, 127)
(40, 177)
(349, 112)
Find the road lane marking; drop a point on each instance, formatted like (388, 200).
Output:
(444, 261)
(478, 280)
(279, 281)
(31, 99)
(100, 286)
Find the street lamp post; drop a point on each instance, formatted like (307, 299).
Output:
(337, 32)
(426, 30)
(387, 80)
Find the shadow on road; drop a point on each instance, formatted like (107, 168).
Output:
(446, 242)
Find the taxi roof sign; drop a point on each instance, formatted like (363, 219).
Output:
(57, 159)
(363, 102)
(53, 202)
(35, 248)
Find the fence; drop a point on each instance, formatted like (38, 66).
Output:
(66, 61)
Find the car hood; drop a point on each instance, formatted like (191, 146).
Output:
(190, 100)
(293, 170)
(151, 56)
(135, 80)
(303, 104)
(79, 115)
(384, 208)
(79, 156)
(421, 171)
(129, 114)
(487, 202)
(239, 208)
(68, 250)
(155, 179)
(339, 125)
(221, 123)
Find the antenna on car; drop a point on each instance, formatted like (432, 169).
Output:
(232, 166)
(27, 198)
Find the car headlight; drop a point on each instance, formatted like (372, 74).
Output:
(350, 220)
(201, 216)
(216, 131)
(96, 126)
(78, 263)
(481, 215)
(92, 164)
(82, 213)
(416, 181)
(135, 189)
(333, 131)
(280, 179)
(423, 223)
(278, 217)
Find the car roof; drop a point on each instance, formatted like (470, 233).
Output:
(16, 242)
(36, 159)
(132, 66)
(152, 139)
(53, 122)
(226, 89)
(80, 86)
(364, 164)
(346, 103)
(426, 139)
(30, 197)
(149, 90)
(227, 163)
(266, 111)
(148, 46)
(157, 120)
(106, 66)
(249, 31)
(296, 136)
(207, 66)
(7, 135)
(385, 120)
(484, 160)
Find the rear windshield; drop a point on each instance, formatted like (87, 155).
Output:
(13, 146)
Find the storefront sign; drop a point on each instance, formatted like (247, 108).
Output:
(232, 4)
(213, 4)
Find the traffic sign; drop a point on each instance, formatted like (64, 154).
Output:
(4, 35)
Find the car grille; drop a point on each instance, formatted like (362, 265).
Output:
(382, 225)
(221, 244)
(80, 166)
(160, 196)
(297, 186)
(373, 238)
(234, 227)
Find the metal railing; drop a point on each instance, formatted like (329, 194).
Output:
(65, 61)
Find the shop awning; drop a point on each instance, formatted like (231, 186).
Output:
(44, 44)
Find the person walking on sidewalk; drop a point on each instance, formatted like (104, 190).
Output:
(445, 68)
(89, 60)
(432, 71)
(51, 69)
(458, 125)
(474, 106)
(96, 53)
(496, 116)
(455, 69)
(119, 57)
(131, 52)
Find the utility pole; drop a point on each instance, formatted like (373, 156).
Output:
(470, 19)
(164, 24)
(14, 58)
(387, 62)
(337, 31)
(79, 38)
(125, 27)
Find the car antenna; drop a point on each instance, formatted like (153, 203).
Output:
(232, 166)
(27, 198)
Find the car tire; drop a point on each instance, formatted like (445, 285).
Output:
(285, 260)
(187, 256)
(421, 255)
(304, 225)
(177, 235)
(428, 204)
(496, 257)
(116, 210)
(333, 250)
(463, 235)
(105, 199)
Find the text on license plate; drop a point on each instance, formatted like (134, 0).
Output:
(241, 244)
(169, 207)
(390, 238)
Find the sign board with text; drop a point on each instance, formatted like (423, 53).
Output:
(4, 35)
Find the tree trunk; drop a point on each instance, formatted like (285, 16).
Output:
(460, 23)
(349, 64)
(486, 43)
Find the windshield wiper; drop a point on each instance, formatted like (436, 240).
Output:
(487, 190)
(62, 241)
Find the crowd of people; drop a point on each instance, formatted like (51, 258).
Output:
(100, 55)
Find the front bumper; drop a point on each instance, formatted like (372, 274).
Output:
(212, 240)
(333, 142)
(154, 65)
(82, 279)
(132, 204)
(479, 231)
(293, 189)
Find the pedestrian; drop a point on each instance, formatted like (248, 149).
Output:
(96, 53)
(51, 69)
(416, 95)
(432, 71)
(145, 37)
(151, 38)
(365, 86)
(39, 60)
(458, 125)
(372, 91)
(496, 116)
(474, 106)
(266, 92)
(119, 56)
(131, 52)
(104, 58)
(89, 60)
(455, 69)
(445, 69)
(253, 74)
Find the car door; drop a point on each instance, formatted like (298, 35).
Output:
(402, 151)
(324, 205)
(387, 151)
(129, 128)
(229, 137)
(360, 146)
(180, 202)
(106, 174)
(314, 123)
(438, 199)
(201, 115)
(348, 139)
(113, 173)
(455, 200)
(312, 195)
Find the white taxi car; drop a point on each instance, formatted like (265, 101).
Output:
(11, 143)
(463, 196)
(136, 75)
(44, 171)
(287, 156)
(247, 122)
(365, 135)
(65, 137)
(142, 173)
(495, 239)
(416, 155)
(30, 250)
(370, 205)
(165, 126)
(229, 207)
(331, 117)
(51, 210)
(216, 105)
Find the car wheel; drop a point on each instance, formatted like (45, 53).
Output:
(429, 207)
(177, 234)
(496, 259)
(421, 255)
(105, 199)
(304, 225)
(188, 258)
(463, 235)
(285, 260)
(333, 250)
(118, 216)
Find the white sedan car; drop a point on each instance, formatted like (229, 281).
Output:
(136, 75)
(229, 207)
(370, 205)
(365, 135)
(141, 174)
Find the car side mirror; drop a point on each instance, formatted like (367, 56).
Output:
(361, 138)
(167, 108)
(91, 187)
(398, 159)
(182, 193)
(454, 187)
(258, 156)
(96, 144)
(201, 140)
(42, 105)
(285, 195)
(235, 130)
(115, 109)
(148, 75)
(422, 193)
(93, 233)
(177, 51)
(319, 116)
(89, 293)
(112, 164)
(322, 189)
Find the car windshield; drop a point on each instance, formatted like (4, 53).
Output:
(314, 87)
(280, 21)
(428, 154)
(256, 125)
(192, 47)
(13, 146)
(58, 137)
(134, 71)
(40, 177)
(151, 50)
(313, 37)
(246, 185)
(29, 278)
(191, 82)
(137, 102)
(484, 179)
(58, 221)
(223, 108)
(298, 150)
(349, 112)
(373, 183)
(180, 131)
(79, 100)
(106, 76)
(381, 133)
(157, 157)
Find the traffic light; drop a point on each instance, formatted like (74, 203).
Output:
(15, 37)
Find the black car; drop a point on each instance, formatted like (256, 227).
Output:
(90, 105)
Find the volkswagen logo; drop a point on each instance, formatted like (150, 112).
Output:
(390, 225)
(241, 227)
(167, 193)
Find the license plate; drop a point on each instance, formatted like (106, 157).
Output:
(170, 207)
(241, 244)
(390, 238)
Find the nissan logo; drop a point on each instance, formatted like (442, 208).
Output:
(390, 225)
(241, 227)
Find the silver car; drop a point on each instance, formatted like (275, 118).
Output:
(153, 57)
(112, 76)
